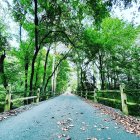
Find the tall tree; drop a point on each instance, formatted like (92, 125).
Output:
(3, 48)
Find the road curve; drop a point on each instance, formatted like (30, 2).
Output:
(64, 117)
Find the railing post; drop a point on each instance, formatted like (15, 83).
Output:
(8, 98)
(95, 96)
(38, 95)
(123, 100)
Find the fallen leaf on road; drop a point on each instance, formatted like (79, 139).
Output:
(68, 138)
(94, 139)
(69, 119)
(59, 136)
(64, 129)
(64, 135)
(88, 139)
(91, 139)
(71, 125)
(83, 128)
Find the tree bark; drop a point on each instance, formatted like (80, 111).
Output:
(36, 47)
(26, 80)
(101, 72)
(32, 72)
(54, 74)
(37, 72)
(78, 77)
(2, 73)
(45, 68)
(20, 32)
(81, 78)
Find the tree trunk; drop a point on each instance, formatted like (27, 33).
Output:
(20, 32)
(108, 79)
(32, 72)
(36, 47)
(78, 77)
(55, 81)
(2, 73)
(111, 80)
(53, 67)
(81, 80)
(37, 72)
(115, 79)
(101, 72)
(45, 67)
(26, 81)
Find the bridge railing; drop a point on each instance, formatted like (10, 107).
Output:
(10, 99)
(122, 98)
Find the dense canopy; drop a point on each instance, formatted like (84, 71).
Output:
(64, 44)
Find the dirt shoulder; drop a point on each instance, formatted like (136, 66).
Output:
(130, 123)
(15, 112)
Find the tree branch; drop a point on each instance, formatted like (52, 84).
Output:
(63, 58)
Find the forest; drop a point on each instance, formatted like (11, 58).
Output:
(68, 44)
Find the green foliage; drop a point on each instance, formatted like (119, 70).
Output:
(113, 32)
(113, 104)
(133, 95)
(3, 37)
(111, 95)
(12, 71)
(112, 48)
(63, 77)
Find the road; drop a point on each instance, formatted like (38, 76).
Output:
(64, 117)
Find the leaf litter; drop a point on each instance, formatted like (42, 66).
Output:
(130, 123)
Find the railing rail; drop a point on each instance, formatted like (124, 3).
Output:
(8, 99)
(109, 91)
(122, 93)
(24, 98)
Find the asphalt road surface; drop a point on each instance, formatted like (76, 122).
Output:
(66, 117)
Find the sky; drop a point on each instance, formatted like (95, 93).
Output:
(11, 26)
(131, 14)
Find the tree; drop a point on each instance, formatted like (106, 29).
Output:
(3, 48)
(103, 43)
(24, 54)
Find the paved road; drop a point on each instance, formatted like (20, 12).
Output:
(58, 118)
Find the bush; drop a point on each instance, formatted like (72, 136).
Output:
(134, 110)
(113, 104)
(110, 95)
(2, 97)
(133, 96)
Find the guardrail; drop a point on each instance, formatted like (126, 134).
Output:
(9, 101)
(94, 95)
